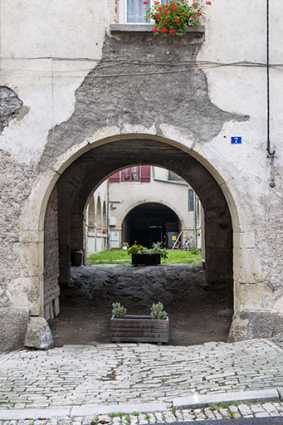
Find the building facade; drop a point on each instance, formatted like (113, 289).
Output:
(152, 204)
(87, 90)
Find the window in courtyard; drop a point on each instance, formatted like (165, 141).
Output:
(173, 176)
(133, 11)
(191, 200)
(130, 174)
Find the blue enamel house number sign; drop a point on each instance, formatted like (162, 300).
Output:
(236, 140)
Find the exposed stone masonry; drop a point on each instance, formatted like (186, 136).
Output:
(51, 258)
(10, 106)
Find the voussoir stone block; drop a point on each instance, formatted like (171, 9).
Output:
(13, 327)
(38, 334)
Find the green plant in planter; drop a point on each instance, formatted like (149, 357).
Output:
(136, 249)
(175, 16)
(156, 249)
(125, 244)
(119, 312)
(157, 311)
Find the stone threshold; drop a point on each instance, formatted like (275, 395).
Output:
(194, 401)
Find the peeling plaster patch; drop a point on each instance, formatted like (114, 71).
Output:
(10, 106)
(141, 84)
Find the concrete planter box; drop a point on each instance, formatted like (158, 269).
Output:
(139, 329)
(146, 259)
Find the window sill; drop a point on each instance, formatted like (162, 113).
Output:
(197, 32)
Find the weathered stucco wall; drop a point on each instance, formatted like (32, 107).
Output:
(195, 96)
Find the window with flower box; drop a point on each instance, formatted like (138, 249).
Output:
(133, 11)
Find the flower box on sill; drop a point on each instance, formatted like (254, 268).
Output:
(142, 29)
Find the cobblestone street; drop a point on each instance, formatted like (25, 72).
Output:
(127, 378)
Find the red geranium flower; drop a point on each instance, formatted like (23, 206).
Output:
(208, 2)
(165, 23)
(164, 30)
(172, 31)
(154, 30)
(174, 7)
(157, 15)
(177, 20)
(145, 2)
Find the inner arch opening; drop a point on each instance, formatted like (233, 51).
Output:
(149, 223)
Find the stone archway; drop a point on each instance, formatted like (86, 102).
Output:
(91, 168)
(116, 155)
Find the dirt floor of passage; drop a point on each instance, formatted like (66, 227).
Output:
(197, 314)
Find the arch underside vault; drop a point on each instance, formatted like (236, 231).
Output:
(76, 184)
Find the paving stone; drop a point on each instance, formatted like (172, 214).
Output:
(270, 408)
(245, 410)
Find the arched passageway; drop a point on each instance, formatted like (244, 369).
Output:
(90, 169)
(77, 183)
(150, 223)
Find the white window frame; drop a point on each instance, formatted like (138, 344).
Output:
(123, 14)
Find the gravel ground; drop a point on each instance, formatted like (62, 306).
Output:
(197, 315)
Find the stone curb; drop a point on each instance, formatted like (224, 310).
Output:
(96, 409)
(16, 414)
(198, 400)
(84, 410)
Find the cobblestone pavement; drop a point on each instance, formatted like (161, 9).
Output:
(129, 373)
